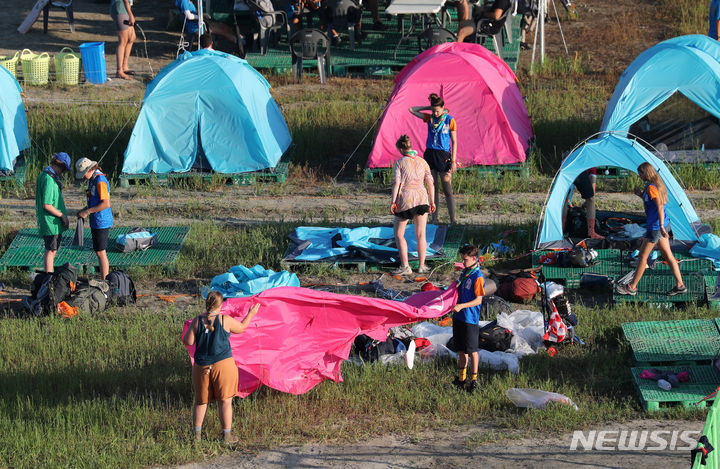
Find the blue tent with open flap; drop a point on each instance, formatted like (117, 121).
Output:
(687, 64)
(14, 136)
(207, 106)
(611, 149)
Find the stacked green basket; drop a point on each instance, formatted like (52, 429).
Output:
(35, 67)
(67, 67)
(10, 62)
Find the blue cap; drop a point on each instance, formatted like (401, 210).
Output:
(64, 158)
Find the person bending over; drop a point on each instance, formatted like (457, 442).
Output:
(654, 200)
(586, 185)
(214, 372)
(440, 148)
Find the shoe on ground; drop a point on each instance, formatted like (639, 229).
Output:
(402, 270)
(677, 291)
(229, 438)
(459, 384)
(197, 436)
(624, 289)
(472, 387)
(378, 26)
(423, 269)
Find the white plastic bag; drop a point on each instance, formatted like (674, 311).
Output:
(536, 398)
(434, 351)
(499, 361)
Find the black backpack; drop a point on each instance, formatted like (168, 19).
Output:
(370, 349)
(48, 290)
(122, 289)
(88, 299)
(494, 338)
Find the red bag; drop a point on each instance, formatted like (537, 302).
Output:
(519, 289)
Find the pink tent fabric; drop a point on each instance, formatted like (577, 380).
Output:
(479, 90)
(300, 336)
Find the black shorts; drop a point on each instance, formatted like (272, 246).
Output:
(52, 242)
(100, 238)
(584, 185)
(438, 160)
(467, 336)
(410, 213)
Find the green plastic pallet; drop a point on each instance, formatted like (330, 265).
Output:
(450, 248)
(695, 341)
(26, 250)
(609, 262)
(703, 381)
(655, 283)
(385, 175)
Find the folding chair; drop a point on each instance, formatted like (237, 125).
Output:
(498, 38)
(270, 22)
(345, 12)
(60, 5)
(310, 44)
(432, 37)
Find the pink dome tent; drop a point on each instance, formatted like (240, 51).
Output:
(479, 90)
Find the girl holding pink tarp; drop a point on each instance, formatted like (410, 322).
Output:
(440, 148)
(411, 201)
(214, 372)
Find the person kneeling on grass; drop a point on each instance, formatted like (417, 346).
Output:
(98, 207)
(654, 199)
(466, 317)
(214, 372)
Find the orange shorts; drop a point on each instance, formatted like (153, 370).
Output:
(215, 382)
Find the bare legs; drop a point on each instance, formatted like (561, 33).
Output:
(399, 232)
(104, 263)
(420, 222)
(444, 180)
(645, 249)
(49, 261)
(463, 361)
(125, 42)
(224, 411)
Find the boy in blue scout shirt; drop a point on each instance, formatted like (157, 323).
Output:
(466, 317)
(98, 208)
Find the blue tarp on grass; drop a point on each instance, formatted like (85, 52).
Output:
(240, 281)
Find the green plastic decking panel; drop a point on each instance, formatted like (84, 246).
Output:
(451, 245)
(692, 340)
(609, 262)
(27, 249)
(375, 54)
(703, 381)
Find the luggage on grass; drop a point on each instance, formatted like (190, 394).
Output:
(122, 288)
(137, 239)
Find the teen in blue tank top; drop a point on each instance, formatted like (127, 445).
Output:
(654, 199)
(97, 209)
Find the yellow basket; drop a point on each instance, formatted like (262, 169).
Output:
(67, 67)
(35, 67)
(10, 62)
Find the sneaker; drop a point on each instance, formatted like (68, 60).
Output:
(472, 387)
(402, 270)
(423, 269)
(624, 289)
(677, 291)
(229, 438)
(459, 384)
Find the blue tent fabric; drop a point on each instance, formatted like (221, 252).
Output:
(14, 136)
(613, 150)
(318, 243)
(210, 102)
(708, 247)
(686, 64)
(240, 281)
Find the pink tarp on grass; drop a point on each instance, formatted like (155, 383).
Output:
(479, 90)
(300, 336)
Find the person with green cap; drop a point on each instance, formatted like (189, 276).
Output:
(50, 210)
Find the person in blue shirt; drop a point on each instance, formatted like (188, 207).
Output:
(466, 317)
(187, 8)
(98, 208)
(714, 18)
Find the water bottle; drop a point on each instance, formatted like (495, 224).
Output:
(664, 385)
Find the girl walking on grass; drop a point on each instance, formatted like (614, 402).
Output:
(411, 201)
(214, 372)
(654, 199)
(440, 149)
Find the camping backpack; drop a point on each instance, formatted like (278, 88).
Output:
(88, 299)
(520, 288)
(494, 338)
(370, 349)
(137, 239)
(48, 290)
(122, 289)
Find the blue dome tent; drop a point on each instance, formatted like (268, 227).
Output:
(210, 106)
(611, 149)
(686, 64)
(14, 136)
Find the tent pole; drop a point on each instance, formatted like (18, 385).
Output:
(542, 14)
(201, 22)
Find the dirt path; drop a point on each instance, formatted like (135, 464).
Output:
(464, 447)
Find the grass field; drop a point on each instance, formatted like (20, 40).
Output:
(114, 390)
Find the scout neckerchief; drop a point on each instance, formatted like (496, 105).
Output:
(467, 273)
(91, 183)
(411, 153)
(437, 126)
(49, 170)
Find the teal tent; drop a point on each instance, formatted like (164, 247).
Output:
(686, 64)
(14, 136)
(211, 107)
(611, 149)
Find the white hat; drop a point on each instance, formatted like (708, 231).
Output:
(82, 166)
